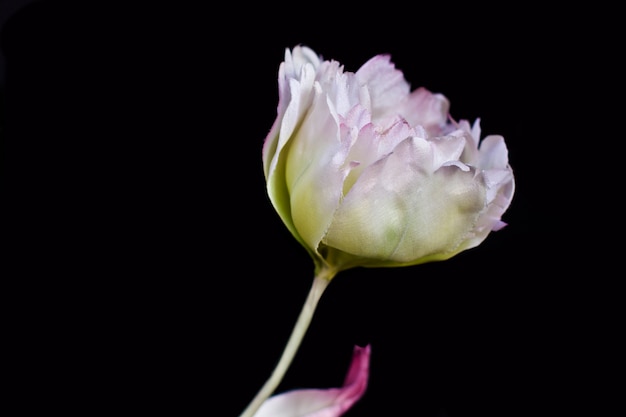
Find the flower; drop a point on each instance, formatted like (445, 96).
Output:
(365, 172)
(332, 402)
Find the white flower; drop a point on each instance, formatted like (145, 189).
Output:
(365, 172)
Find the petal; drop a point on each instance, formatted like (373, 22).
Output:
(301, 93)
(291, 69)
(426, 109)
(408, 210)
(332, 402)
(386, 84)
(374, 142)
(493, 153)
(314, 175)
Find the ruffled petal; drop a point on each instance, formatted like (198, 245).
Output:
(385, 83)
(290, 69)
(413, 209)
(314, 174)
(426, 109)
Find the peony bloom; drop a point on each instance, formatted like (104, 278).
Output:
(332, 402)
(365, 172)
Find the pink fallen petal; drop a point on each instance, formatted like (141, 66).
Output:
(332, 402)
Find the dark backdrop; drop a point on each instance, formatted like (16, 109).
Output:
(155, 269)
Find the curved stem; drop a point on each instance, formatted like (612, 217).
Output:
(320, 282)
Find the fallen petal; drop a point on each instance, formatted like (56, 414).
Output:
(332, 402)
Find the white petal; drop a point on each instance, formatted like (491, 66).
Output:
(386, 84)
(493, 153)
(314, 171)
(401, 210)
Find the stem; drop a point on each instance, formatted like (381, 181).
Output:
(320, 282)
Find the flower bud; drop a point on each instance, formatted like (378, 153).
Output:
(365, 172)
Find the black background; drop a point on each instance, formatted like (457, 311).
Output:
(156, 270)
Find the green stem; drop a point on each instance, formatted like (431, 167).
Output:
(320, 282)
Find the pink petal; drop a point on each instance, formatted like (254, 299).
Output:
(386, 84)
(332, 402)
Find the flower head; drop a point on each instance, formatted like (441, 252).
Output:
(365, 172)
